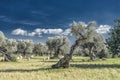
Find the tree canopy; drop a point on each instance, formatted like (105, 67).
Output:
(113, 41)
(85, 36)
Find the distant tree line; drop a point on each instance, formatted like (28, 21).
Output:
(88, 43)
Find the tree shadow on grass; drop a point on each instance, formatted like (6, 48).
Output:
(25, 70)
(94, 66)
(49, 61)
(82, 66)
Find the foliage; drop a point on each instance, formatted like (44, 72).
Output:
(10, 45)
(114, 41)
(40, 49)
(29, 47)
(2, 38)
(25, 48)
(7, 48)
(88, 38)
(58, 44)
(21, 47)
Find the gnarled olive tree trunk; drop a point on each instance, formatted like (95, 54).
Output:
(64, 62)
(6, 57)
(91, 46)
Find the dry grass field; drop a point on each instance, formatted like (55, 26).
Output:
(81, 69)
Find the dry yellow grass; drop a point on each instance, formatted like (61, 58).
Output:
(36, 69)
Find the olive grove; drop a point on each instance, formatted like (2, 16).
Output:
(88, 41)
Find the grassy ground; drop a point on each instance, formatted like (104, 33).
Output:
(81, 69)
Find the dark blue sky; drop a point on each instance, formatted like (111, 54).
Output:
(32, 14)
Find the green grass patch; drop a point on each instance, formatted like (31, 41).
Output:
(80, 69)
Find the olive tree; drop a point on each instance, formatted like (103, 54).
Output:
(78, 51)
(85, 35)
(11, 48)
(29, 48)
(2, 40)
(21, 47)
(7, 48)
(40, 49)
(59, 44)
(25, 48)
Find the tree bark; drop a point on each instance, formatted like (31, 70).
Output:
(91, 53)
(92, 56)
(8, 57)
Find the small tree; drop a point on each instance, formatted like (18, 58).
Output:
(21, 48)
(25, 48)
(58, 44)
(114, 41)
(11, 47)
(29, 49)
(7, 48)
(40, 49)
(85, 35)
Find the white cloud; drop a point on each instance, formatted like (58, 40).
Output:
(45, 31)
(67, 32)
(55, 31)
(19, 31)
(37, 32)
(103, 29)
(26, 40)
(32, 34)
(48, 31)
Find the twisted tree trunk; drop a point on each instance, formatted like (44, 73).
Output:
(91, 47)
(6, 56)
(64, 62)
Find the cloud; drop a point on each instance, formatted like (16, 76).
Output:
(55, 31)
(32, 34)
(2, 16)
(26, 40)
(27, 22)
(40, 13)
(67, 32)
(38, 32)
(48, 31)
(24, 22)
(19, 31)
(103, 29)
